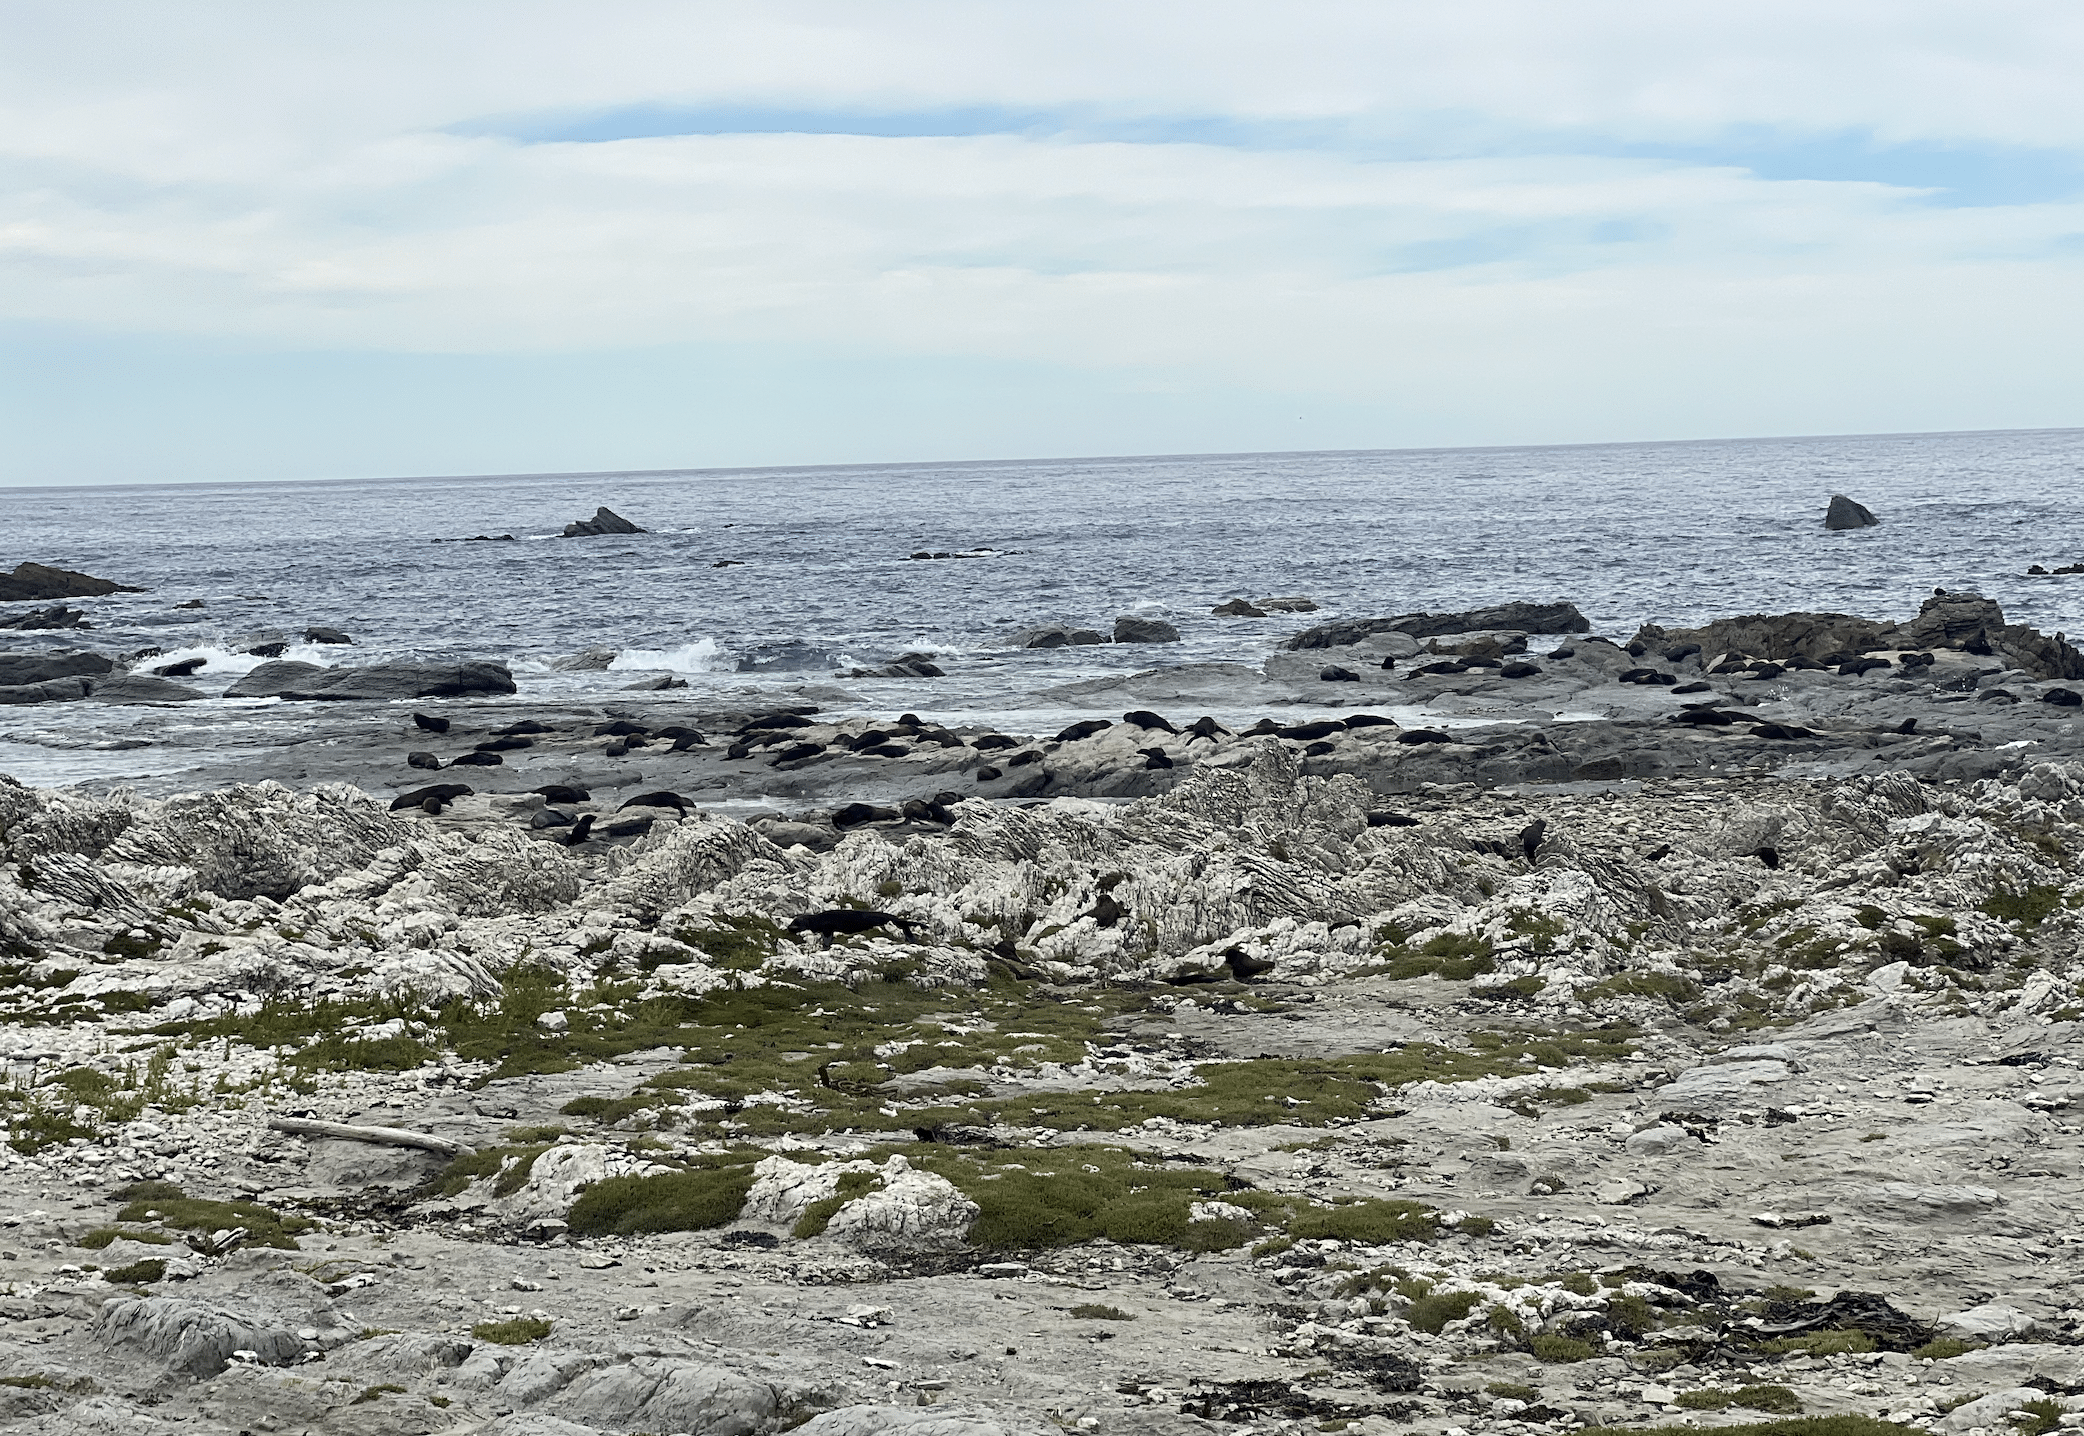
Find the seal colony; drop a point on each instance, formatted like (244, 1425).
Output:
(1558, 1033)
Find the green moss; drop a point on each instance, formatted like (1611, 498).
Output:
(1432, 1312)
(2043, 1415)
(1512, 1391)
(817, 1214)
(694, 1200)
(509, 1167)
(1823, 1343)
(1870, 917)
(1667, 985)
(1945, 1348)
(1549, 1346)
(371, 1393)
(1775, 1400)
(102, 1236)
(1375, 1223)
(1094, 1311)
(520, 1331)
(2028, 908)
(1630, 1317)
(1454, 957)
(264, 1226)
(138, 1273)
(740, 944)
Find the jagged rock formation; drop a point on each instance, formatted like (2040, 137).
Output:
(1516, 617)
(35, 582)
(604, 521)
(1843, 513)
(374, 682)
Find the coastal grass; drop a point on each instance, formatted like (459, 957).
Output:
(168, 1205)
(1774, 1400)
(519, 1331)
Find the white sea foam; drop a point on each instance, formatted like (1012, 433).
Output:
(221, 660)
(704, 655)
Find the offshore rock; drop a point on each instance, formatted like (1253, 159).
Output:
(36, 582)
(376, 682)
(1054, 635)
(47, 619)
(604, 521)
(23, 668)
(1845, 514)
(1144, 630)
(1506, 617)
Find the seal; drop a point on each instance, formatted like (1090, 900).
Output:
(1205, 728)
(1155, 758)
(422, 759)
(1085, 729)
(475, 759)
(832, 923)
(430, 725)
(526, 725)
(660, 799)
(581, 831)
(999, 740)
(436, 792)
(1148, 721)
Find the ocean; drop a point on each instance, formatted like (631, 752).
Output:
(818, 578)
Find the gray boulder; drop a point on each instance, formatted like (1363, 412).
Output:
(375, 682)
(650, 1394)
(35, 582)
(319, 633)
(591, 660)
(1517, 617)
(52, 690)
(1054, 635)
(604, 521)
(39, 667)
(1144, 630)
(140, 688)
(189, 1337)
(1845, 514)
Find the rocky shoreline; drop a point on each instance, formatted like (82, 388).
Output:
(796, 1071)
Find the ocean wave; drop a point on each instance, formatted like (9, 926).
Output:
(704, 655)
(223, 660)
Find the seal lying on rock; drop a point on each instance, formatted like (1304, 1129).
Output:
(848, 920)
(434, 792)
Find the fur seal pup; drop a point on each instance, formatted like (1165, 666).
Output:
(1085, 729)
(1908, 725)
(885, 750)
(1530, 837)
(503, 745)
(688, 740)
(550, 818)
(185, 668)
(832, 923)
(797, 752)
(1318, 750)
(561, 793)
(927, 810)
(1155, 758)
(989, 774)
(525, 726)
(1422, 735)
(995, 740)
(620, 728)
(430, 725)
(1205, 728)
(581, 831)
(1021, 760)
(775, 720)
(1148, 721)
(1369, 720)
(866, 739)
(422, 759)
(438, 792)
(1391, 820)
(853, 815)
(1311, 732)
(1333, 673)
(475, 759)
(1264, 728)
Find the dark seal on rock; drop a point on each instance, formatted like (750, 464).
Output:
(562, 793)
(438, 792)
(1148, 721)
(430, 725)
(1845, 514)
(422, 759)
(477, 759)
(1085, 729)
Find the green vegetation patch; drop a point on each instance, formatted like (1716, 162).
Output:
(697, 1199)
(519, 1331)
(1549, 1346)
(1851, 1341)
(815, 1216)
(372, 1393)
(1432, 1312)
(1775, 1400)
(1512, 1391)
(102, 1236)
(508, 1166)
(1453, 957)
(169, 1206)
(1804, 1426)
(2029, 907)
(138, 1273)
(1945, 1348)
(1095, 1311)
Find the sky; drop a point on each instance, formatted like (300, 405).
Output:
(245, 241)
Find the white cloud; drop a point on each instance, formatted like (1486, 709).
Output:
(303, 176)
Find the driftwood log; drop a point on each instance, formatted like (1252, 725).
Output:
(381, 1136)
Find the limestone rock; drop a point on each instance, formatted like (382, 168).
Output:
(652, 1394)
(906, 1208)
(193, 1338)
(908, 1420)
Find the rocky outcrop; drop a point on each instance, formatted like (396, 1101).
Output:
(1843, 513)
(1054, 635)
(1130, 629)
(1506, 617)
(375, 682)
(1776, 636)
(1963, 621)
(17, 668)
(604, 521)
(34, 582)
(47, 619)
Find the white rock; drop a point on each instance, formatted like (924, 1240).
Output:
(560, 1175)
(1992, 1321)
(1659, 1141)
